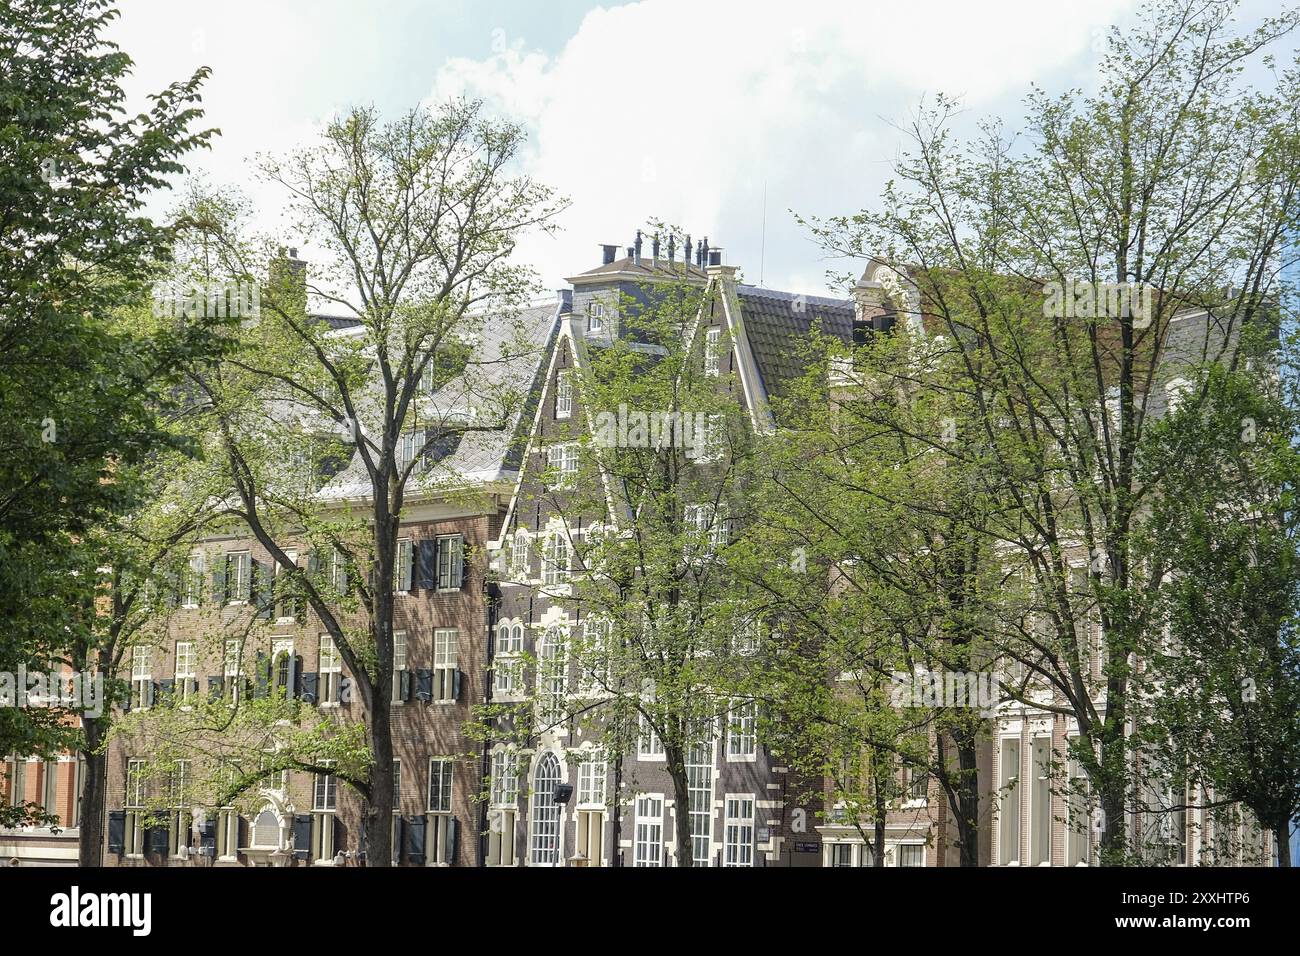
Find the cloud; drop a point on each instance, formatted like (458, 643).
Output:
(694, 112)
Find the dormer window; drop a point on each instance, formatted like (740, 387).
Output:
(711, 354)
(596, 317)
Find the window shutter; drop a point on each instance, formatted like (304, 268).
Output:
(302, 835)
(455, 684)
(172, 590)
(219, 593)
(261, 675)
(310, 684)
(461, 573)
(167, 687)
(261, 572)
(295, 684)
(415, 839)
(427, 566)
(313, 566)
(340, 834)
(450, 841)
(216, 687)
(151, 693)
(361, 839)
(156, 839)
(116, 831)
(399, 838)
(243, 831)
(424, 684)
(404, 685)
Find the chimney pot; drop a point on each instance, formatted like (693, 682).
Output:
(672, 247)
(636, 249)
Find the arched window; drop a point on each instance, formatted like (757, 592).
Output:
(545, 836)
(281, 678)
(518, 637)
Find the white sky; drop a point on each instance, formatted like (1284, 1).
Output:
(682, 110)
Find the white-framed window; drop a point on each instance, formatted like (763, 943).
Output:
(910, 854)
(596, 317)
(699, 795)
(596, 663)
(325, 791)
(399, 664)
(918, 783)
(187, 682)
(593, 771)
(706, 528)
(544, 834)
(1009, 801)
(141, 677)
(239, 576)
(738, 830)
(180, 818)
(194, 579)
(402, 570)
(50, 787)
(520, 558)
(712, 350)
(648, 847)
(748, 638)
(330, 671)
(230, 671)
(134, 806)
(16, 772)
(563, 393)
(503, 815)
(1078, 821)
(552, 674)
(1040, 804)
(288, 605)
(562, 462)
(555, 566)
(451, 562)
(445, 663)
(439, 820)
(409, 446)
(339, 572)
(648, 744)
(506, 664)
(742, 731)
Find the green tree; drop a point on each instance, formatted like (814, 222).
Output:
(82, 397)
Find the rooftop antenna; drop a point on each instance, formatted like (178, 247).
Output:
(762, 255)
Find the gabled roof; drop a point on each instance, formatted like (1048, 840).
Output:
(777, 323)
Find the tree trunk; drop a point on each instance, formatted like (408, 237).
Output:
(682, 801)
(1282, 837)
(94, 782)
(967, 810)
(379, 808)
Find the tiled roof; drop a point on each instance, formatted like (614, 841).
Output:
(776, 323)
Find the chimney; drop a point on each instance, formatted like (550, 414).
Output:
(610, 253)
(704, 252)
(686, 256)
(672, 247)
(636, 250)
(654, 252)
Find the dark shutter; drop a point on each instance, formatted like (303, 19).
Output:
(427, 564)
(310, 685)
(424, 684)
(262, 589)
(415, 839)
(261, 675)
(167, 688)
(455, 684)
(243, 832)
(295, 681)
(399, 838)
(340, 834)
(361, 839)
(451, 836)
(216, 687)
(302, 835)
(116, 831)
(156, 839)
(403, 685)
(151, 693)
(219, 580)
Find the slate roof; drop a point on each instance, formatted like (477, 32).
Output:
(777, 323)
(663, 269)
(504, 363)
